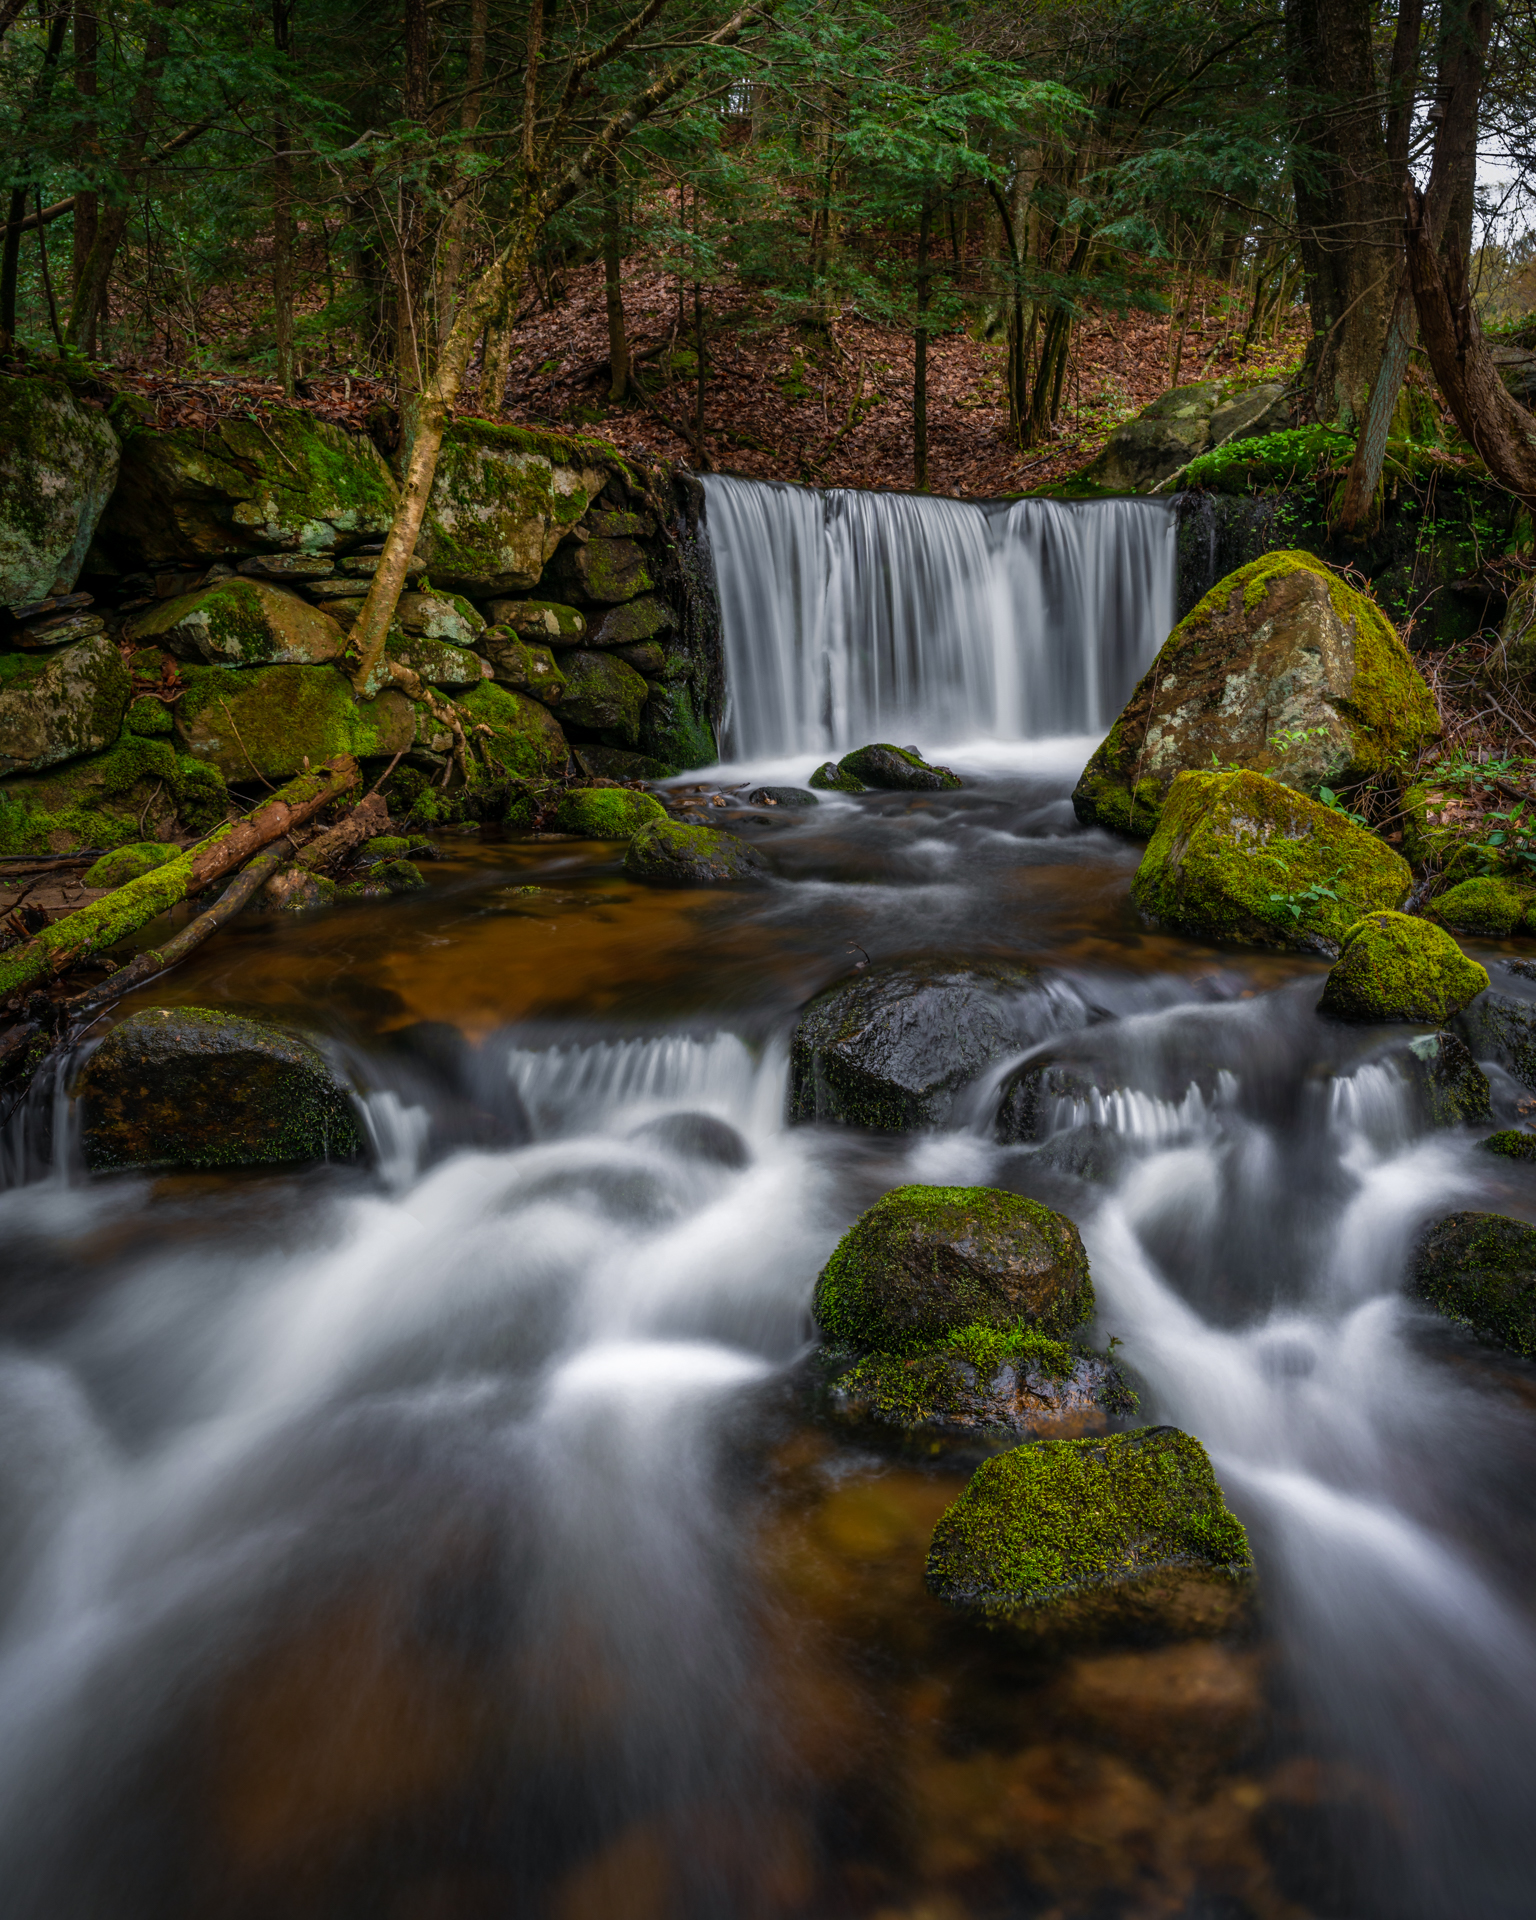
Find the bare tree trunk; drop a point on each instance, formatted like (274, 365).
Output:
(613, 287)
(282, 211)
(10, 252)
(920, 354)
(87, 60)
(451, 251)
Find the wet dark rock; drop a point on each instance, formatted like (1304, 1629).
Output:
(1123, 1535)
(669, 854)
(1031, 1096)
(892, 1047)
(191, 1087)
(1454, 1087)
(698, 1136)
(1499, 1026)
(926, 1263)
(896, 768)
(781, 797)
(1041, 1388)
(1480, 1269)
(829, 777)
(1513, 1143)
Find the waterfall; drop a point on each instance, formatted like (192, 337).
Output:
(866, 616)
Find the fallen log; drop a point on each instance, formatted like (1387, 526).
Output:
(117, 915)
(367, 818)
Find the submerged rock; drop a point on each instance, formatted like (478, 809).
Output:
(58, 462)
(192, 1087)
(697, 1136)
(1497, 1026)
(240, 623)
(57, 706)
(1127, 1533)
(1030, 1098)
(606, 813)
(1282, 669)
(668, 854)
(894, 1046)
(1236, 856)
(927, 1262)
(1396, 967)
(896, 768)
(1489, 905)
(781, 797)
(1480, 1269)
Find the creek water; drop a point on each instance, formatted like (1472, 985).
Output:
(455, 1536)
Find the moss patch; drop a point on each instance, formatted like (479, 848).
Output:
(1489, 905)
(1396, 967)
(830, 777)
(665, 853)
(522, 737)
(108, 798)
(1480, 1269)
(116, 869)
(606, 813)
(1512, 1143)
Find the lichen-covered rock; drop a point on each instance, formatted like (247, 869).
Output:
(829, 777)
(669, 854)
(437, 662)
(524, 738)
(521, 664)
(601, 694)
(240, 623)
(892, 1047)
(501, 502)
(545, 620)
(980, 1381)
(263, 723)
(192, 1087)
(632, 623)
(925, 1262)
(1501, 1026)
(1490, 905)
(897, 769)
(1453, 1086)
(1480, 1269)
(110, 799)
(1067, 1531)
(127, 863)
(440, 616)
(1236, 856)
(672, 730)
(58, 462)
(1283, 669)
(57, 706)
(60, 630)
(1512, 1143)
(1396, 967)
(1178, 426)
(599, 571)
(606, 813)
(285, 481)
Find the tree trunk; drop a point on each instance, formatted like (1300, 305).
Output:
(10, 252)
(618, 340)
(87, 60)
(451, 246)
(920, 355)
(282, 212)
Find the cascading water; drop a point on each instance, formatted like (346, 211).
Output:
(851, 616)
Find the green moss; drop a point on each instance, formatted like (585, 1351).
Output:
(387, 846)
(99, 801)
(606, 813)
(831, 778)
(673, 731)
(669, 853)
(148, 717)
(100, 926)
(116, 869)
(522, 737)
(400, 876)
(1489, 905)
(1238, 857)
(1514, 1143)
(882, 765)
(1396, 967)
(1269, 460)
(1480, 1269)
(1046, 1521)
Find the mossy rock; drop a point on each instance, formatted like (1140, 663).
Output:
(672, 730)
(1042, 1527)
(193, 1087)
(666, 853)
(613, 763)
(440, 616)
(240, 623)
(829, 777)
(602, 695)
(1517, 634)
(108, 799)
(599, 572)
(127, 863)
(896, 769)
(265, 722)
(524, 738)
(437, 662)
(1500, 1026)
(606, 813)
(1239, 857)
(1512, 1143)
(1453, 1086)
(149, 717)
(502, 501)
(1490, 905)
(1282, 669)
(1396, 967)
(283, 481)
(549, 621)
(58, 464)
(632, 623)
(892, 1047)
(519, 663)
(397, 876)
(1283, 458)
(57, 706)
(1480, 1269)
(925, 1262)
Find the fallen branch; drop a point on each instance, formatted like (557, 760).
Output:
(367, 818)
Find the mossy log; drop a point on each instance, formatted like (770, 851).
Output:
(122, 912)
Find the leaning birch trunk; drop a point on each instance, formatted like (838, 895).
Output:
(117, 915)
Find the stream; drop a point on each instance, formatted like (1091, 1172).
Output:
(457, 1536)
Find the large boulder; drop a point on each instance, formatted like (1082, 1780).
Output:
(602, 695)
(440, 616)
(1179, 425)
(1480, 1269)
(666, 853)
(927, 1262)
(240, 623)
(632, 623)
(1396, 967)
(548, 621)
(1095, 1534)
(1501, 1026)
(606, 813)
(110, 799)
(263, 723)
(191, 1087)
(898, 769)
(522, 737)
(1492, 904)
(893, 1047)
(58, 463)
(502, 501)
(1283, 669)
(1239, 857)
(981, 1382)
(284, 481)
(595, 572)
(55, 706)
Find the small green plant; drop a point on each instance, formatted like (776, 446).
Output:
(1304, 900)
(1296, 736)
(1330, 799)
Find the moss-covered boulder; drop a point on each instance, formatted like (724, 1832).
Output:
(1480, 1269)
(1501, 1026)
(1453, 1088)
(830, 777)
(549, 621)
(437, 662)
(1094, 1533)
(925, 1262)
(602, 695)
(1396, 967)
(595, 572)
(56, 706)
(672, 728)
(613, 763)
(1175, 428)
(665, 853)
(1283, 669)
(192, 1087)
(1491, 905)
(110, 799)
(1512, 1143)
(127, 863)
(1240, 857)
(606, 813)
(502, 501)
(263, 723)
(521, 736)
(240, 623)
(632, 623)
(440, 616)
(282, 481)
(892, 1047)
(897, 769)
(58, 463)
(522, 664)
